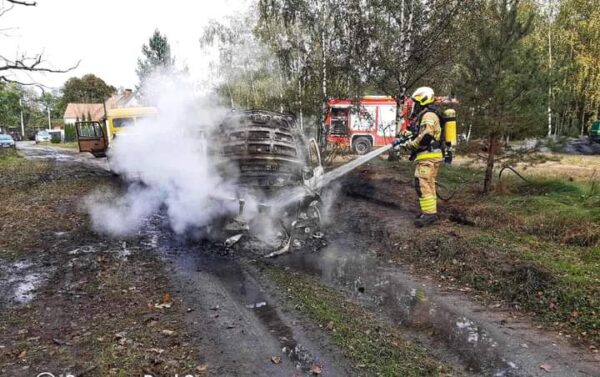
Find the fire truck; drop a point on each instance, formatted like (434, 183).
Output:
(369, 121)
(361, 124)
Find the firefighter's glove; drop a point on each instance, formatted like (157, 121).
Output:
(406, 134)
(399, 143)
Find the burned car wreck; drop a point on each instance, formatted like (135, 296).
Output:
(278, 172)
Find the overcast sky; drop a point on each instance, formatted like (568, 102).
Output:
(107, 35)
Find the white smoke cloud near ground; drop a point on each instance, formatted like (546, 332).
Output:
(168, 155)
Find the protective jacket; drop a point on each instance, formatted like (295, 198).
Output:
(427, 143)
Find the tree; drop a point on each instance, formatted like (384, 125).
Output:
(14, 99)
(9, 105)
(498, 75)
(245, 72)
(156, 58)
(10, 67)
(87, 89)
(576, 71)
(352, 48)
(53, 101)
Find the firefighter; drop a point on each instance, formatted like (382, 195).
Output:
(424, 142)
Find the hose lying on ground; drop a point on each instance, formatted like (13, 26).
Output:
(437, 192)
(514, 171)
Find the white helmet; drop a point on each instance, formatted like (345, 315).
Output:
(423, 96)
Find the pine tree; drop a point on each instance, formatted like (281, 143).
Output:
(156, 58)
(498, 74)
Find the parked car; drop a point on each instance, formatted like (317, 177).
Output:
(42, 136)
(6, 141)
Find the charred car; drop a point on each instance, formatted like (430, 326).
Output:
(278, 171)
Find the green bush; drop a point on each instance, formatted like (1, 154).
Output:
(70, 133)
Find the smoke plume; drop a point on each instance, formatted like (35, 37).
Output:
(168, 155)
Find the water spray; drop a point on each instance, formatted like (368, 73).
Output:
(346, 168)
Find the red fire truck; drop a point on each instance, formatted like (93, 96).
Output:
(369, 121)
(361, 124)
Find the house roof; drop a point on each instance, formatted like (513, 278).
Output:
(80, 110)
(125, 98)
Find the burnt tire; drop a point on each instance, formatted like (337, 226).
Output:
(361, 145)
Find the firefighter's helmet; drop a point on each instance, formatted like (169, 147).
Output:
(423, 96)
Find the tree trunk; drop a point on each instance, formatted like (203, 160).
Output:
(489, 170)
(582, 119)
(469, 131)
(300, 105)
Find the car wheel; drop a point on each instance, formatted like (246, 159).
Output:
(361, 145)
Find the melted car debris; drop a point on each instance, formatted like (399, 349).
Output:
(275, 162)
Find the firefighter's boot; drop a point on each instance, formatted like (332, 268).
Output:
(425, 220)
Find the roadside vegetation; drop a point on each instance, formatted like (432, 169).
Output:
(104, 308)
(373, 347)
(532, 245)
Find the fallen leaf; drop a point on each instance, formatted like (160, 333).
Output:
(157, 350)
(276, 359)
(22, 354)
(546, 367)
(574, 313)
(315, 369)
(168, 332)
(166, 298)
(202, 368)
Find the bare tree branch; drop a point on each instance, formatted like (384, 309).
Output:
(32, 64)
(9, 67)
(5, 10)
(25, 3)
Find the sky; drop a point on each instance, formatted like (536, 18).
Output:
(106, 36)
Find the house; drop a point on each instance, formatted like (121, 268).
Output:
(80, 111)
(96, 111)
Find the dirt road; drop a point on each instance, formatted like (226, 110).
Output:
(52, 152)
(235, 321)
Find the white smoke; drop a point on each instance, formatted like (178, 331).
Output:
(168, 155)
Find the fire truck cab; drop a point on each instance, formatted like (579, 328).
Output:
(361, 124)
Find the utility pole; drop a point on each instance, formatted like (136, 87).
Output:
(22, 123)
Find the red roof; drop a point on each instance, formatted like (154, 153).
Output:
(80, 110)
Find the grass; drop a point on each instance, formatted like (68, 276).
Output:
(558, 210)
(70, 145)
(535, 245)
(39, 199)
(9, 157)
(374, 348)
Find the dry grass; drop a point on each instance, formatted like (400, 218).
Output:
(534, 246)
